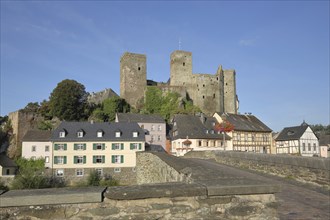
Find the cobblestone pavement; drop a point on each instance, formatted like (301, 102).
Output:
(296, 200)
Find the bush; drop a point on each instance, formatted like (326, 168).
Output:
(93, 178)
(3, 186)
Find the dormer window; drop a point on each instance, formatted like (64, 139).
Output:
(135, 134)
(80, 134)
(62, 134)
(118, 133)
(206, 131)
(99, 134)
(212, 131)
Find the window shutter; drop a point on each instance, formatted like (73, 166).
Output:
(131, 146)
(65, 146)
(94, 159)
(94, 146)
(55, 160)
(75, 159)
(75, 147)
(113, 146)
(122, 159)
(113, 159)
(56, 147)
(103, 146)
(140, 146)
(84, 146)
(103, 159)
(122, 146)
(84, 159)
(64, 159)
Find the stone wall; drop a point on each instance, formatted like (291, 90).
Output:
(305, 169)
(198, 192)
(157, 201)
(99, 97)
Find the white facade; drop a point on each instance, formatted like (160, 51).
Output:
(180, 149)
(306, 145)
(37, 150)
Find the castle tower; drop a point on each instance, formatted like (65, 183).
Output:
(230, 97)
(181, 68)
(133, 77)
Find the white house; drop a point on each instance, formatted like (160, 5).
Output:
(36, 144)
(300, 140)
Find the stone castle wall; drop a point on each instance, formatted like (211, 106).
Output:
(22, 122)
(99, 97)
(210, 92)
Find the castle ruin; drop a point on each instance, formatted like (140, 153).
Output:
(210, 92)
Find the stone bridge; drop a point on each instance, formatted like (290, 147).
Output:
(176, 188)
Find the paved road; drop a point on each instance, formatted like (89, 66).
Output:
(297, 201)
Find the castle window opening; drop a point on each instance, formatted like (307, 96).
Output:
(203, 97)
(217, 78)
(184, 63)
(214, 95)
(203, 85)
(139, 68)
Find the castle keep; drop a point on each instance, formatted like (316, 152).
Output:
(210, 92)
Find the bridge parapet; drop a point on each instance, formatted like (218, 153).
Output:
(312, 170)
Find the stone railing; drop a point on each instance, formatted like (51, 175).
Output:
(312, 170)
(188, 191)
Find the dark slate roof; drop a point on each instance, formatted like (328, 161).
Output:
(37, 135)
(91, 129)
(292, 133)
(192, 127)
(140, 118)
(6, 161)
(245, 122)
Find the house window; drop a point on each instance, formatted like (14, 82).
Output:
(135, 134)
(199, 143)
(117, 146)
(60, 146)
(79, 146)
(79, 159)
(213, 123)
(98, 146)
(135, 146)
(34, 148)
(46, 159)
(117, 170)
(99, 171)
(7, 171)
(80, 134)
(152, 127)
(152, 138)
(62, 134)
(47, 148)
(309, 146)
(212, 131)
(118, 133)
(314, 147)
(60, 159)
(117, 159)
(159, 138)
(99, 159)
(304, 146)
(99, 134)
(79, 172)
(159, 127)
(59, 172)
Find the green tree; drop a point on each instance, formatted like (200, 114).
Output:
(93, 178)
(30, 174)
(153, 100)
(113, 105)
(44, 110)
(170, 105)
(32, 107)
(68, 101)
(45, 125)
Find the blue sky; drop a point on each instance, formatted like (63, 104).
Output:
(279, 49)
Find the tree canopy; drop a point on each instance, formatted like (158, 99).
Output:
(108, 109)
(68, 101)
